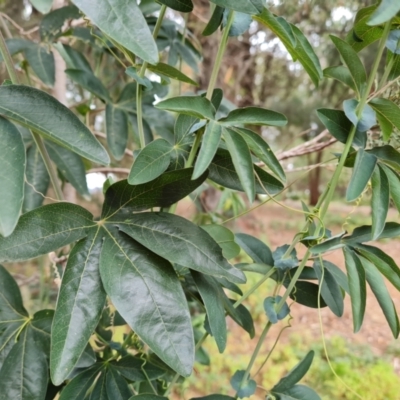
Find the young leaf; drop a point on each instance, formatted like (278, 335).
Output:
(89, 82)
(357, 286)
(255, 248)
(362, 172)
(251, 7)
(330, 290)
(295, 374)
(367, 119)
(209, 147)
(270, 304)
(242, 161)
(164, 191)
(37, 179)
(181, 242)
(171, 72)
(20, 103)
(214, 22)
(386, 10)
(213, 298)
(253, 116)
(342, 74)
(123, 22)
(379, 201)
(243, 389)
(117, 386)
(352, 62)
(70, 165)
(377, 285)
(24, 373)
(151, 162)
(79, 307)
(12, 176)
(261, 149)
(161, 315)
(42, 62)
(45, 229)
(196, 106)
(339, 126)
(116, 130)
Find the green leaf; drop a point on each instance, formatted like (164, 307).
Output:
(241, 315)
(297, 392)
(213, 397)
(42, 62)
(241, 23)
(378, 287)
(388, 154)
(242, 161)
(181, 242)
(73, 58)
(255, 248)
(395, 70)
(51, 25)
(367, 118)
(209, 147)
(213, 299)
(270, 304)
(116, 130)
(164, 191)
(225, 239)
(334, 242)
(261, 149)
(251, 7)
(79, 307)
(171, 72)
(161, 315)
(70, 165)
(338, 275)
(253, 116)
(386, 10)
(137, 369)
(352, 62)
(387, 111)
(45, 229)
(89, 82)
(117, 387)
(357, 286)
(133, 73)
(15, 46)
(339, 126)
(80, 384)
(363, 233)
(362, 172)
(330, 290)
(214, 22)
(123, 22)
(295, 374)
(392, 42)
(12, 176)
(379, 201)
(37, 179)
(99, 391)
(243, 389)
(285, 262)
(394, 185)
(21, 103)
(196, 106)
(151, 162)
(178, 5)
(383, 262)
(306, 293)
(24, 372)
(183, 125)
(342, 74)
(386, 127)
(43, 6)
(148, 396)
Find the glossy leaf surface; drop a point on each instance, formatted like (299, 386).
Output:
(254, 116)
(196, 106)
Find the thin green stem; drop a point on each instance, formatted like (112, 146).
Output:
(220, 55)
(195, 147)
(386, 73)
(139, 93)
(37, 138)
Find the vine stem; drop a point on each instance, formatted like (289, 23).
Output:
(37, 138)
(213, 81)
(139, 92)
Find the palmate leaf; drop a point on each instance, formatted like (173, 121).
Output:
(181, 242)
(122, 199)
(117, 387)
(45, 229)
(20, 103)
(12, 170)
(123, 22)
(150, 283)
(79, 306)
